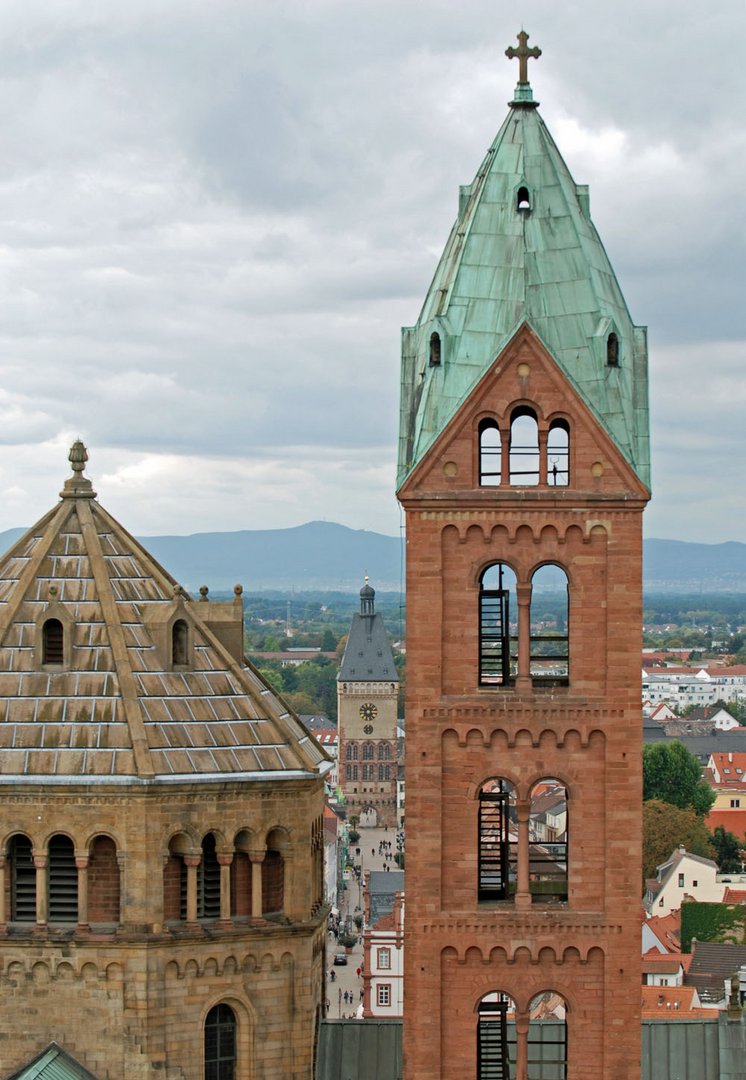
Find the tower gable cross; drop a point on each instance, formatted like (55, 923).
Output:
(523, 53)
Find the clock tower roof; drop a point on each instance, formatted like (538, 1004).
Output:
(367, 656)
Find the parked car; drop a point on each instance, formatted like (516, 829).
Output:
(340, 958)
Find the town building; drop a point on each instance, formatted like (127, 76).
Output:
(682, 877)
(367, 708)
(523, 472)
(383, 945)
(161, 822)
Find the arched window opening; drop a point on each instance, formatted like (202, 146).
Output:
(384, 751)
(547, 837)
(241, 876)
(435, 350)
(523, 200)
(103, 881)
(497, 841)
(524, 448)
(369, 751)
(496, 1037)
(558, 454)
(612, 350)
(208, 881)
(53, 642)
(273, 876)
(550, 656)
(546, 1043)
(180, 643)
(368, 772)
(62, 880)
(498, 636)
(22, 880)
(175, 881)
(490, 454)
(220, 1044)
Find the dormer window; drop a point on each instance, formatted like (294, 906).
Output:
(523, 201)
(53, 642)
(435, 350)
(612, 350)
(180, 643)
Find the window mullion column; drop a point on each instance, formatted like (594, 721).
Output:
(523, 891)
(523, 674)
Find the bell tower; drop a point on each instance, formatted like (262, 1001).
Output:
(523, 472)
(367, 708)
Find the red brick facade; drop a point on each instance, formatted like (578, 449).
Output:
(585, 734)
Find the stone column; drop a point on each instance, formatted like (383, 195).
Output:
(82, 864)
(42, 907)
(523, 675)
(257, 858)
(192, 862)
(543, 438)
(521, 1045)
(224, 861)
(523, 893)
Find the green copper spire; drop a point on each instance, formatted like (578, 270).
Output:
(524, 249)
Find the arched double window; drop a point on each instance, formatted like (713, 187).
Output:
(538, 845)
(502, 1040)
(498, 635)
(384, 751)
(369, 751)
(221, 1053)
(351, 751)
(384, 772)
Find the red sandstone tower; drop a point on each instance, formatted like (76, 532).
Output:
(524, 474)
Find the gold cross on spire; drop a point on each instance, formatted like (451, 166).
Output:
(523, 53)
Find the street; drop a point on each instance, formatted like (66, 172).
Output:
(346, 980)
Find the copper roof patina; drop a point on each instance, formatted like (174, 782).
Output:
(524, 249)
(117, 707)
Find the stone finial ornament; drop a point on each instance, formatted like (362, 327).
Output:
(78, 456)
(78, 486)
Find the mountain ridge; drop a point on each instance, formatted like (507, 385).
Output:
(323, 555)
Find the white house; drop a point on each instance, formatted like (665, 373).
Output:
(682, 876)
(383, 946)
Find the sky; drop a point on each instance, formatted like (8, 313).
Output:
(216, 215)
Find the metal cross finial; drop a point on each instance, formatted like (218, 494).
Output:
(523, 53)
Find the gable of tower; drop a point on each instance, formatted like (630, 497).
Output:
(573, 450)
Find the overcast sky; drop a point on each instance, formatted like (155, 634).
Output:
(215, 216)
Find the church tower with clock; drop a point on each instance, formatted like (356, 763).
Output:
(367, 696)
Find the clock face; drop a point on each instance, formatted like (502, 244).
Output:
(369, 711)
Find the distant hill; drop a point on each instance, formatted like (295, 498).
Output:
(324, 556)
(676, 566)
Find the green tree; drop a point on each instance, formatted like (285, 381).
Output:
(664, 828)
(672, 774)
(728, 849)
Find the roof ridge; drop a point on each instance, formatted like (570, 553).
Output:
(119, 651)
(51, 527)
